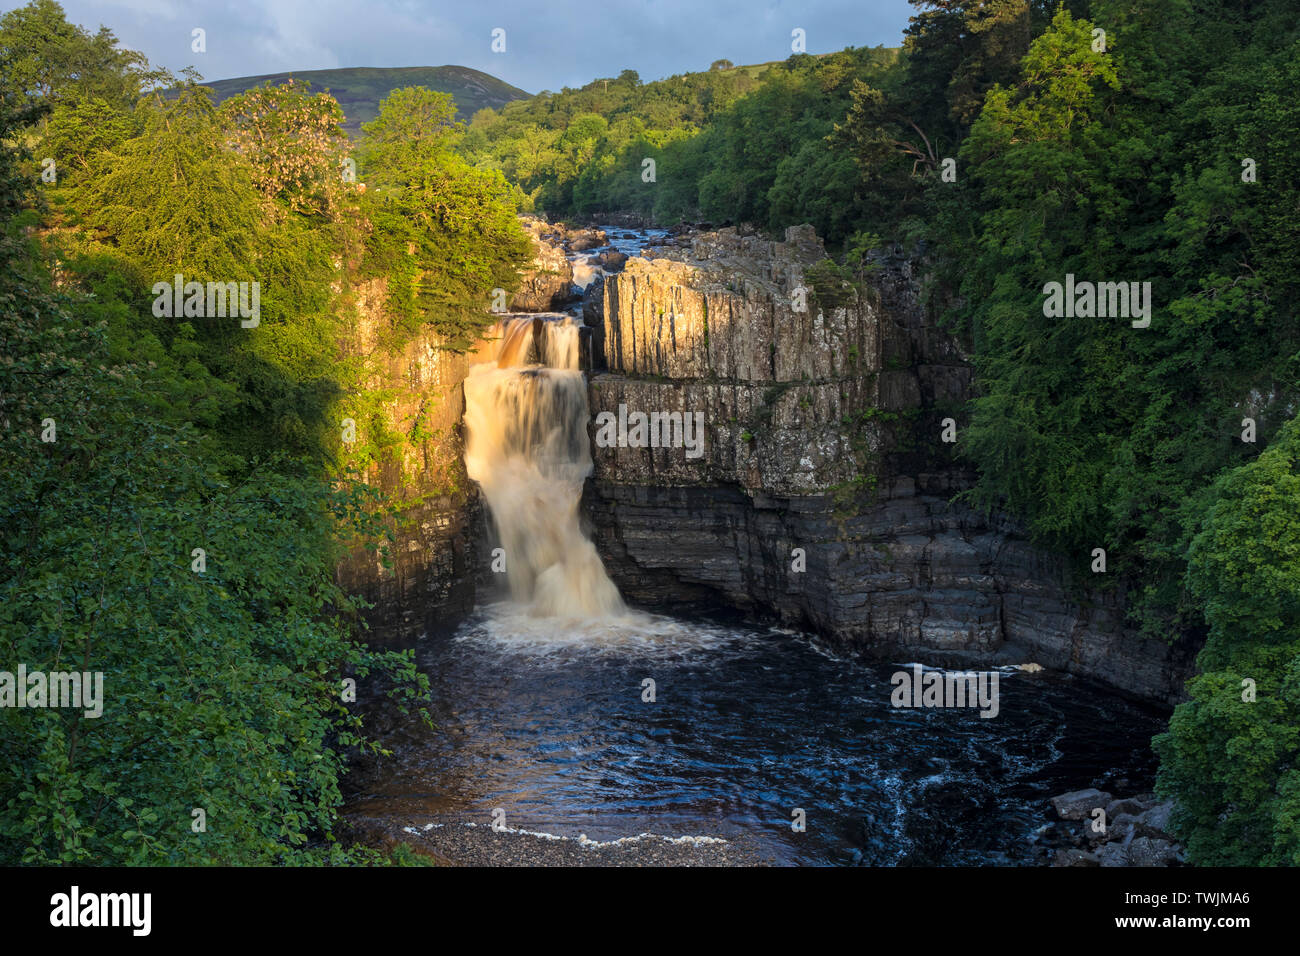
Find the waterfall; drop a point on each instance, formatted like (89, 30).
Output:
(527, 447)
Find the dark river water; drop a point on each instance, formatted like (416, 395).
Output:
(549, 724)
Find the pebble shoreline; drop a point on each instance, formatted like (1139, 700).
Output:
(460, 844)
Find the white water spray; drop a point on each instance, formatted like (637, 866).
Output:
(526, 416)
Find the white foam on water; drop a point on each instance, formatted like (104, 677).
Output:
(586, 270)
(582, 839)
(512, 627)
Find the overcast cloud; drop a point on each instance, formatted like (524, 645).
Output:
(548, 45)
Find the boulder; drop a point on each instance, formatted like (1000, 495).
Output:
(548, 284)
(1114, 854)
(1120, 827)
(1131, 806)
(584, 239)
(1148, 851)
(1155, 822)
(1076, 858)
(1079, 804)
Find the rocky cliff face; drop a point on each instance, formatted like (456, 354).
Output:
(729, 328)
(822, 495)
(440, 529)
(430, 584)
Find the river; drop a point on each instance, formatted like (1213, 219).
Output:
(747, 724)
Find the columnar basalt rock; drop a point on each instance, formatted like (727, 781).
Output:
(823, 439)
(738, 309)
(728, 328)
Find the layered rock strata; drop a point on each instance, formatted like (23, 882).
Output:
(823, 494)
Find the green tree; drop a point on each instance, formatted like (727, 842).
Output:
(175, 201)
(294, 142)
(1231, 757)
(48, 57)
(448, 228)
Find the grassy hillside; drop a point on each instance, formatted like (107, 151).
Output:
(359, 89)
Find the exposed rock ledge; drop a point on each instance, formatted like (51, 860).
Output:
(548, 284)
(822, 434)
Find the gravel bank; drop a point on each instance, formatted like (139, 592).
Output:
(468, 844)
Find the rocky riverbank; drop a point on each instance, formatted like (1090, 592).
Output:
(1106, 831)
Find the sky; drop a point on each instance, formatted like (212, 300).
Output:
(547, 45)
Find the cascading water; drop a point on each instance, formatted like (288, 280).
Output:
(526, 415)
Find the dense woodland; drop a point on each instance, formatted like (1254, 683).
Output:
(730, 144)
(1168, 153)
(172, 434)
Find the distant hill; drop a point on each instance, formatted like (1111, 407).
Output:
(359, 89)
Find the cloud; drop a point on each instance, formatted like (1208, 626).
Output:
(548, 45)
